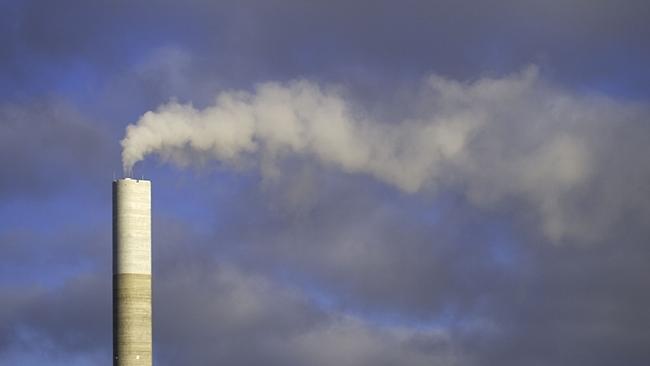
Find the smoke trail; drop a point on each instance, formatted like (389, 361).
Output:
(494, 139)
(299, 118)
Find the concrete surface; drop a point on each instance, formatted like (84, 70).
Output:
(132, 273)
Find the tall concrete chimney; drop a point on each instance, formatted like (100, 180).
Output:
(131, 272)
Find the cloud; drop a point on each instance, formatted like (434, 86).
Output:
(501, 292)
(46, 139)
(374, 44)
(241, 318)
(360, 278)
(76, 325)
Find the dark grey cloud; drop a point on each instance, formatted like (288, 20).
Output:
(45, 143)
(55, 292)
(59, 325)
(580, 306)
(215, 310)
(368, 43)
(504, 296)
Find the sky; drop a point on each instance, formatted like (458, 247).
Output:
(454, 183)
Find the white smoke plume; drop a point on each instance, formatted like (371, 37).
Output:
(300, 118)
(495, 138)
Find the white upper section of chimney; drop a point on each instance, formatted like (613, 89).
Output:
(131, 226)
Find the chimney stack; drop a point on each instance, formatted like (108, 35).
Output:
(132, 272)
